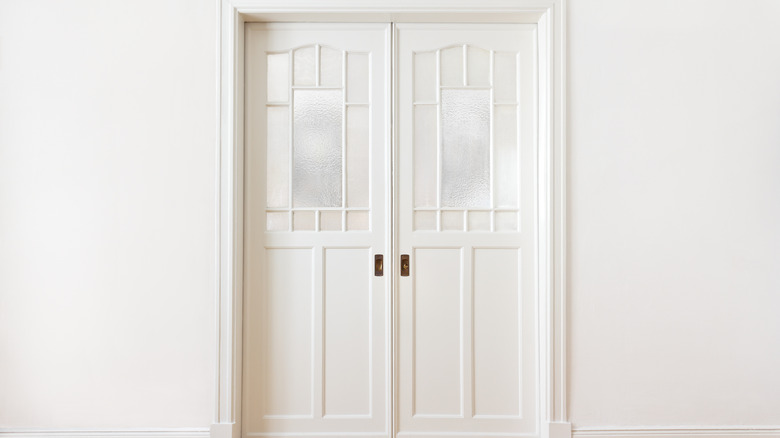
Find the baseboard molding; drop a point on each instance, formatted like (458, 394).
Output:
(185, 432)
(679, 432)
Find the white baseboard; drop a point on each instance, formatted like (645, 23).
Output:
(223, 430)
(184, 432)
(679, 432)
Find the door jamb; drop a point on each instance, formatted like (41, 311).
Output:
(549, 16)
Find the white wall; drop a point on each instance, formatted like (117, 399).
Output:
(107, 135)
(107, 204)
(675, 212)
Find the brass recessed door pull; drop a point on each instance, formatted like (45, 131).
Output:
(404, 265)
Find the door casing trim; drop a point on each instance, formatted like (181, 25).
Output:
(549, 16)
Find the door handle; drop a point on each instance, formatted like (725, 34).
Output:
(379, 267)
(404, 265)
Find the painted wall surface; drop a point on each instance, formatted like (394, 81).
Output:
(674, 212)
(107, 187)
(107, 133)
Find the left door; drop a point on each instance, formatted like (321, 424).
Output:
(316, 317)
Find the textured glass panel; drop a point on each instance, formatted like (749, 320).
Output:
(479, 221)
(303, 221)
(425, 151)
(505, 77)
(330, 221)
(425, 77)
(330, 67)
(505, 155)
(478, 61)
(452, 67)
(465, 117)
(303, 66)
(357, 77)
(425, 220)
(357, 220)
(278, 156)
(506, 221)
(357, 156)
(278, 221)
(278, 77)
(317, 148)
(452, 220)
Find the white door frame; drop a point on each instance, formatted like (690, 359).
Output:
(549, 16)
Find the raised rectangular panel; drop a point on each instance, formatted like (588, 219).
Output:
(357, 77)
(278, 156)
(505, 149)
(505, 76)
(358, 183)
(438, 384)
(304, 69)
(317, 148)
(496, 344)
(478, 62)
(346, 346)
(425, 77)
(452, 67)
(331, 62)
(287, 315)
(278, 77)
(465, 148)
(425, 155)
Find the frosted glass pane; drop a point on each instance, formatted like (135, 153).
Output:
(425, 151)
(478, 61)
(330, 67)
(465, 179)
(425, 77)
(278, 221)
(303, 221)
(479, 221)
(452, 220)
(505, 158)
(303, 66)
(317, 148)
(357, 77)
(357, 156)
(506, 221)
(278, 77)
(425, 220)
(505, 77)
(357, 220)
(330, 221)
(278, 157)
(452, 67)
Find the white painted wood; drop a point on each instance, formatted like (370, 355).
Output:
(316, 325)
(180, 432)
(548, 15)
(453, 321)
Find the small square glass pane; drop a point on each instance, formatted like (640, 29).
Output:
(330, 221)
(425, 220)
(357, 220)
(303, 221)
(479, 221)
(452, 221)
(277, 221)
(506, 221)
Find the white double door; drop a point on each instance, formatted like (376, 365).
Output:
(366, 140)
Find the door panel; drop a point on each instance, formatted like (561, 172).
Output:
(316, 319)
(466, 323)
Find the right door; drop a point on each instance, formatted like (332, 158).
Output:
(466, 312)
